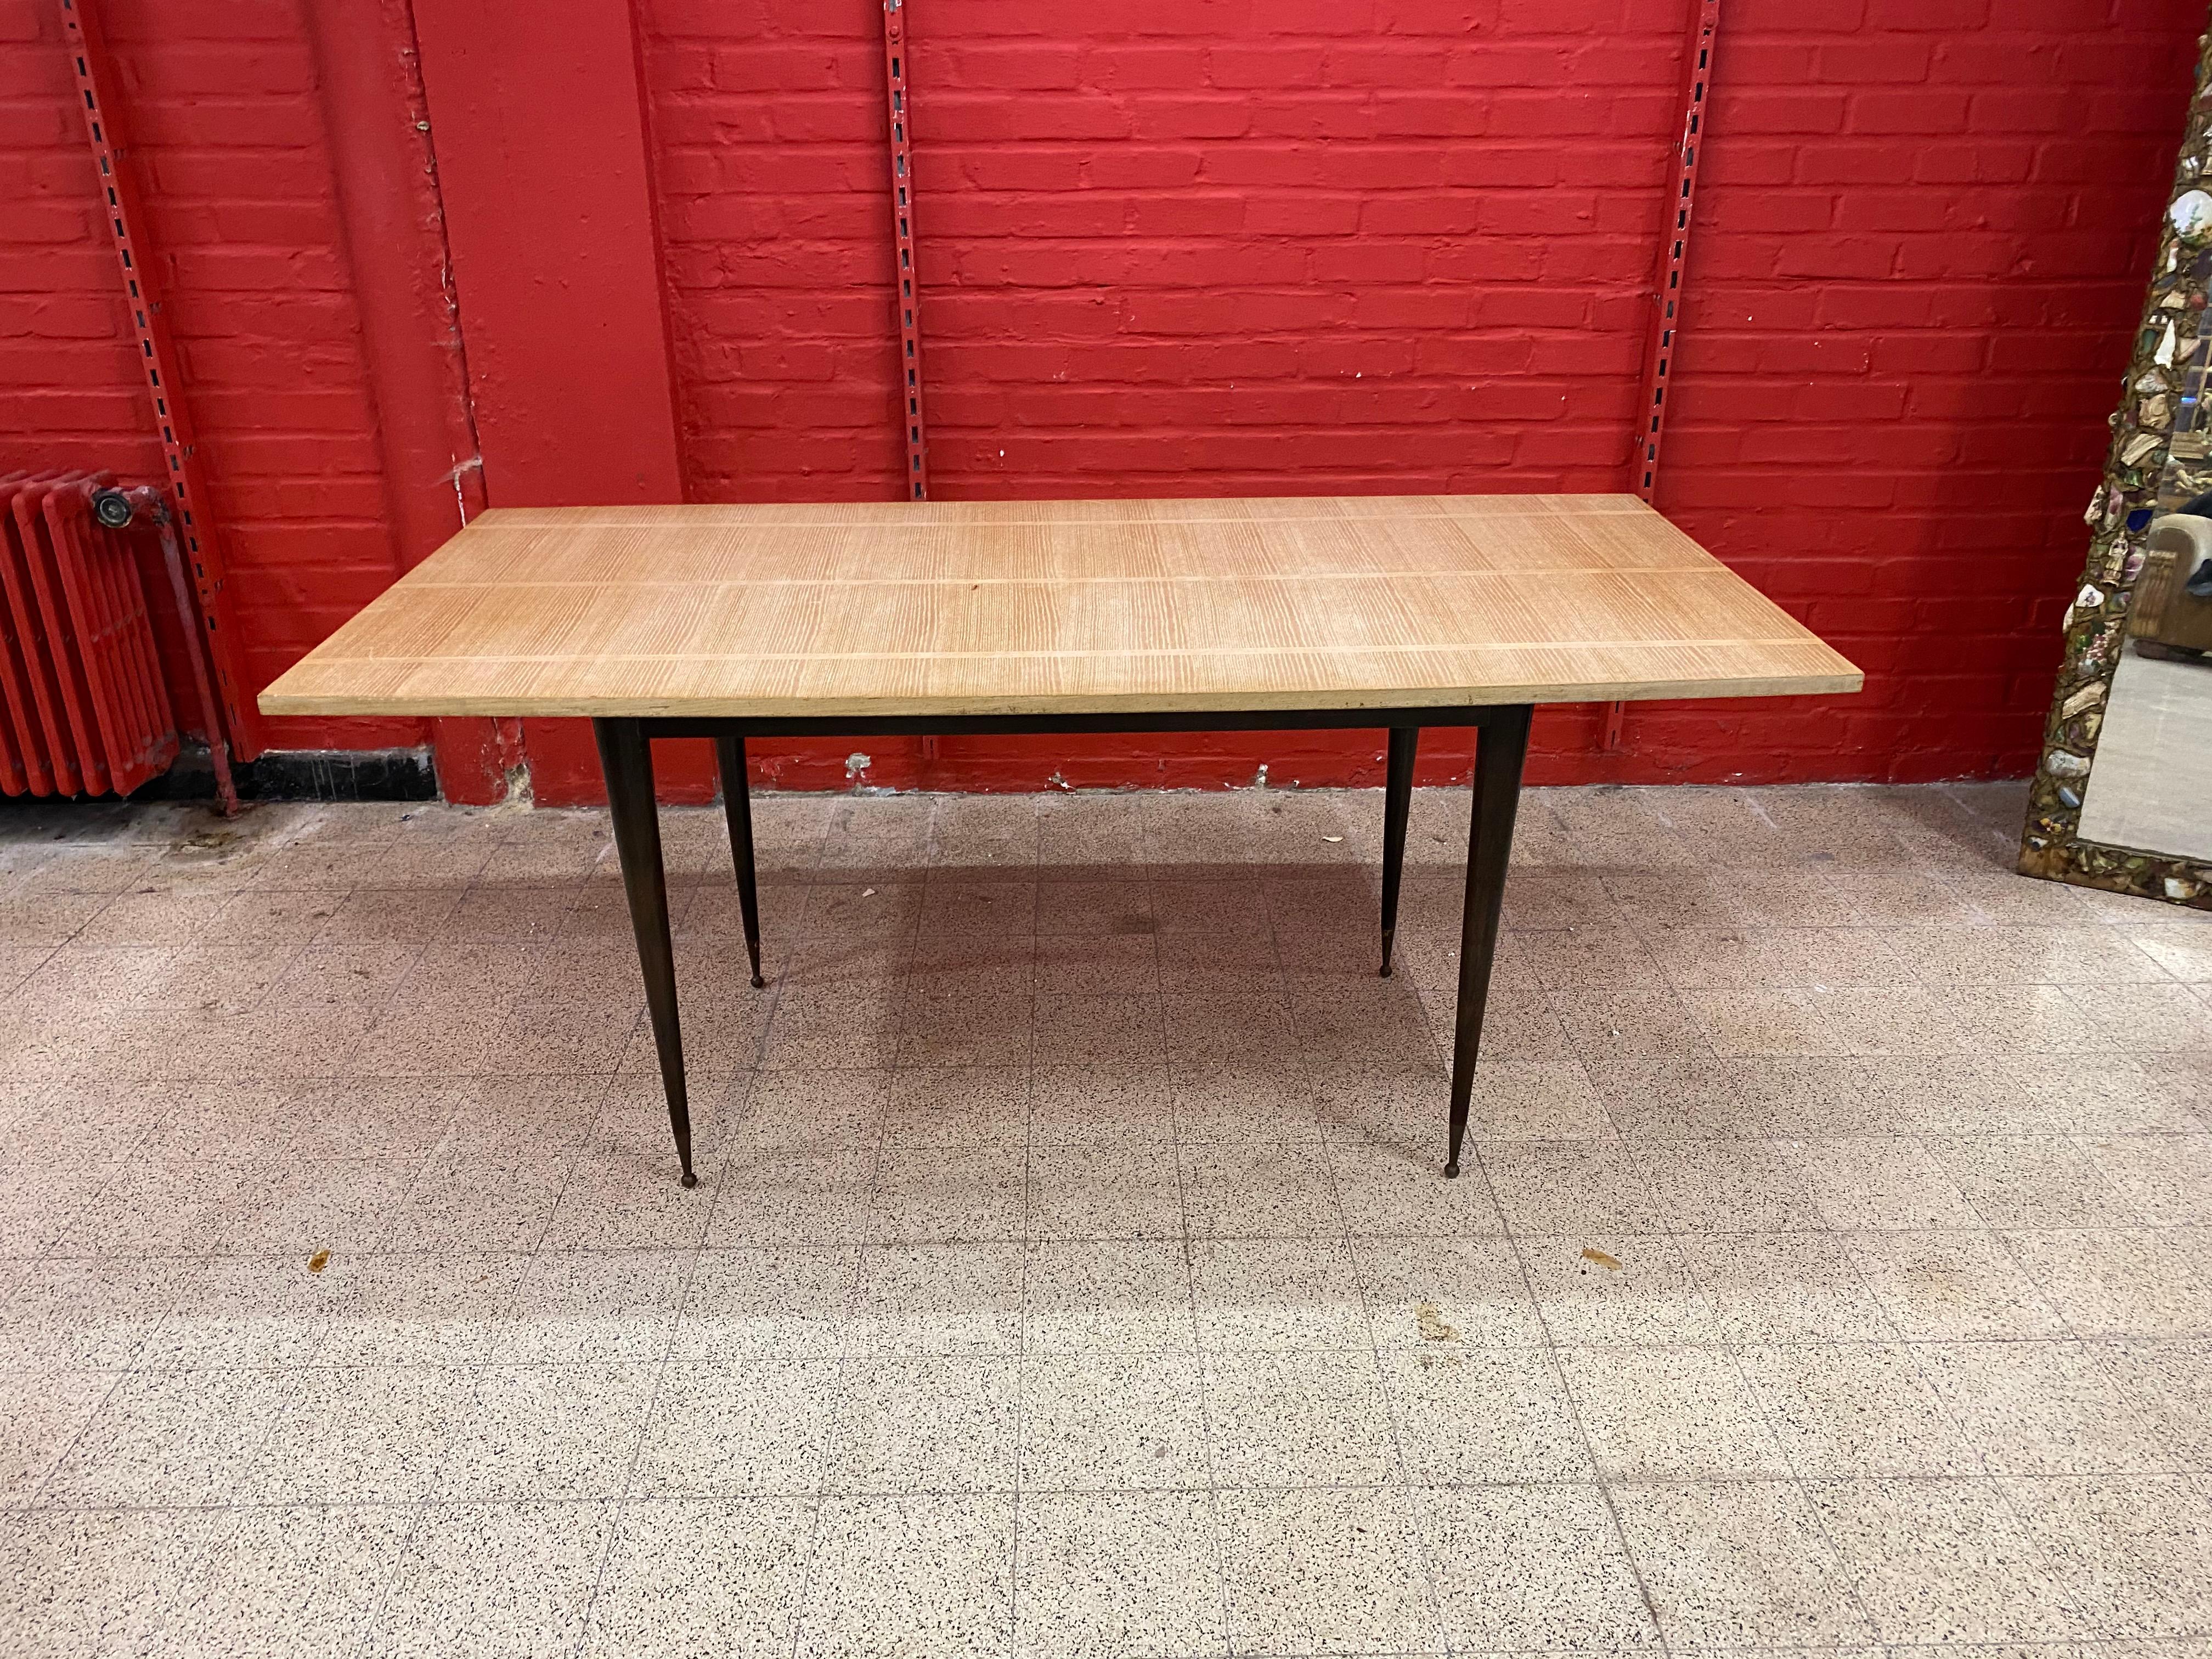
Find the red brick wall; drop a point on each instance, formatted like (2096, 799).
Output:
(1196, 247)
(222, 105)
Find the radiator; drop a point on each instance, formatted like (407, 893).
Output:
(86, 710)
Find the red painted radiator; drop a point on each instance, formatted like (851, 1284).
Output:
(86, 711)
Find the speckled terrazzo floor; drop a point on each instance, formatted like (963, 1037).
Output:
(1071, 1274)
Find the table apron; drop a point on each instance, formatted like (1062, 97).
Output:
(1214, 719)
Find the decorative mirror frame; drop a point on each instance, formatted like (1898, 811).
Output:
(2096, 624)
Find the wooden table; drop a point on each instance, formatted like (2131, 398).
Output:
(728, 622)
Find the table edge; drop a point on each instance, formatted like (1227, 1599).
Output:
(278, 704)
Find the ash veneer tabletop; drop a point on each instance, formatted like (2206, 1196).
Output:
(1390, 612)
(1021, 607)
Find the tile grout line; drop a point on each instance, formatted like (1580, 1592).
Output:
(1022, 1282)
(1602, 1482)
(616, 1506)
(1203, 1354)
(1803, 1483)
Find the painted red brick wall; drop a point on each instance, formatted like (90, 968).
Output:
(221, 100)
(1197, 247)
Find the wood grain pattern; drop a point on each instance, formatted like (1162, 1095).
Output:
(1039, 607)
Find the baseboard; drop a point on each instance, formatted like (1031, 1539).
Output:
(304, 775)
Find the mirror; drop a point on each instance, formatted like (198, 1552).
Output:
(2121, 798)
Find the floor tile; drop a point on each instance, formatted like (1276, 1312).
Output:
(1071, 1235)
(1554, 1187)
(112, 1581)
(42, 1413)
(711, 1575)
(1533, 1567)
(568, 1431)
(1101, 1421)
(1845, 1409)
(740, 1428)
(775, 1197)
(957, 1106)
(949, 1194)
(1106, 1295)
(1126, 1191)
(1943, 1561)
(2043, 1408)
(493, 1579)
(815, 1108)
(902, 1575)
(1322, 1571)
(361, 1434)
(621, 1201)
(939, 1298)
(1880, 1182)
(1941, 1284)
(2165, 1180)
(1479, 1417)
(1269, 1099)
(1074, 1105)
(1296, 1419)
(170, 1437)
(1670, 1414)
(1785, 1287)
(797, 1303)
(1394, 1191)
(93, 1314)
(291, 1580)
(244, 1310)
(1118, 1574)
(1737, 1562)
(1625, 1290)
(1259, 1192)
(415, 1310)
(1729, 1187)
(2119, 1282)
(464, 1204)
(925, 1425)
(1469, 1292)
(2166, 1385)
(2129, 1551)
(2038, 1180)
(593, 1306)
(1261, 1294)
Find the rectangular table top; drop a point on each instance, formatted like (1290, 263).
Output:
(1043, 607)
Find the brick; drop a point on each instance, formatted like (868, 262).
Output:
(1271, 68)
(795, 68)
(1124, 64)
(1942, 16)
(1023, 67)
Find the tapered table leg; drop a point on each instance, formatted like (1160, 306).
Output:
(738, 807)
(1499, 752)
(1397, 805)
(626, 759)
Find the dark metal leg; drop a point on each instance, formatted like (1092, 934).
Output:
(738, 807)
(626, 759)
(1499, 751)
(1397, 804)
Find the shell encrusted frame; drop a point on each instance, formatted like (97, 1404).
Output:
(2160, 456)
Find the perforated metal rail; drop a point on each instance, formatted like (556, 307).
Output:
(1674, 252)
(1697, 78)
(186, 489)
(909, 307)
